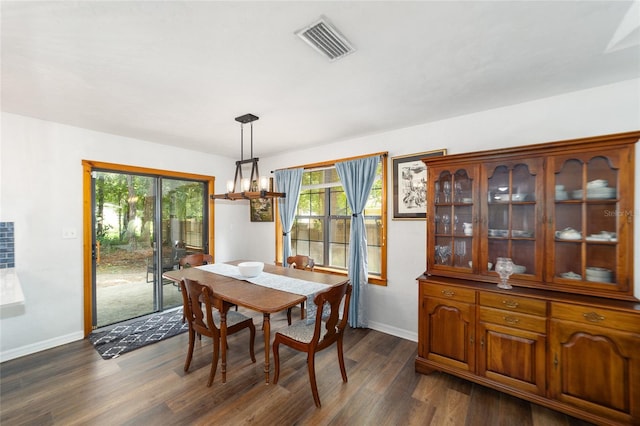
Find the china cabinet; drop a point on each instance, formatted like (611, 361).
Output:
(567, 334)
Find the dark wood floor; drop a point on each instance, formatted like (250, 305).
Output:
(72, 384)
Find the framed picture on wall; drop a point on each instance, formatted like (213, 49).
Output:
(410, 185)
(261, 209)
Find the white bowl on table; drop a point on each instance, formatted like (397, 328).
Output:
(250, 269)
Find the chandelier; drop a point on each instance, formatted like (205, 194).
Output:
(255, 186)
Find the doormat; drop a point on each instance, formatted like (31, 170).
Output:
(123, 338)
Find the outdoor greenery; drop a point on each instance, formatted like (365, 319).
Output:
(132, 199)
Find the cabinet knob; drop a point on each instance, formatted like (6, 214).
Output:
(448, 293)
(593, 317)
(510, 303)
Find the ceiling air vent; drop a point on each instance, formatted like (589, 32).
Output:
(326, 39)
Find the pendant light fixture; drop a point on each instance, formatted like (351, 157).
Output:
(252, 187)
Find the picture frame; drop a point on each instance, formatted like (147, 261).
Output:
(261, 209)
(410, 185)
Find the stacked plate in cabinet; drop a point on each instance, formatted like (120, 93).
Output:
(595, 193)
(571, 275)
(594, 273)
(561, 193)
(596, 190)
(603, 236)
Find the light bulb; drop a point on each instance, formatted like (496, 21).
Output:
(246, 184)
(264, 183)
(230, 185)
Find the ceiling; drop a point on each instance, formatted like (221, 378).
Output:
(179, 72)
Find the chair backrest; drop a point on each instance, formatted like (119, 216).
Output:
(327, 331)
(301, 262)
(195, 259)
(178, 250)
(193, 295)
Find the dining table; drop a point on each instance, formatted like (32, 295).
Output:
(267, 300)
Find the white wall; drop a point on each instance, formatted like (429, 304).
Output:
(41, 176)
(41, 191)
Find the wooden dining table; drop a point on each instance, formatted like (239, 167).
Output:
(259, 298)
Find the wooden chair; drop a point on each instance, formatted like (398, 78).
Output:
(299, 262)
(208, 323)
(195, 259)
(312, 338)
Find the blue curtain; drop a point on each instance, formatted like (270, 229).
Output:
(288, 181)
(357, 177)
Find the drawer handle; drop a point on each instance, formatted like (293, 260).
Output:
(511, 320)
(593, 317)
(510, 303)
(448, 293)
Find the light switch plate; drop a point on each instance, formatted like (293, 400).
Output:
(69, 233)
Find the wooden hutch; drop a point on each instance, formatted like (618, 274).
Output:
(567, 335)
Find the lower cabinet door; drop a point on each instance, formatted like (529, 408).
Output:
(596, 369)
(450, 329)
(513, 357)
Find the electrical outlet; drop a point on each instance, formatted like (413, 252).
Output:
(69, 233)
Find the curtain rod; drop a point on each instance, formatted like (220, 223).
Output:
(332, 162)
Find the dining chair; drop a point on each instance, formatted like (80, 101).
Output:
(195, 259)
(299, 262)
(207, 323)
(314, 337)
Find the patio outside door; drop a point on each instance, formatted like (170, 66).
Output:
(138, 236)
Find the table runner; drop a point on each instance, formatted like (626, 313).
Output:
(275, 281)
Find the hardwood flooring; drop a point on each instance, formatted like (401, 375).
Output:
(73, 385)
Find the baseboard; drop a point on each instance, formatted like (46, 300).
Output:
(40, 346)
(394, 331)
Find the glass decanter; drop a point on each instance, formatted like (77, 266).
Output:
(446, 189)
(504, 268)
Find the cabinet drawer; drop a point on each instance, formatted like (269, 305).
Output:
(514, 319)
(450, 292)
(597, 316)
(514, 303)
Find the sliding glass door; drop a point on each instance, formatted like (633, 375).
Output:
(183, 230)
(143, 224)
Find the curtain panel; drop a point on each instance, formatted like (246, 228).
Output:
(288, 181)
(357, 177)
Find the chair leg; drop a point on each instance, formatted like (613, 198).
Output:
(276, 361)
(192, 338)
(214, 361)
(341, 359)
(302, 310)
(312, 378)
(289, 316)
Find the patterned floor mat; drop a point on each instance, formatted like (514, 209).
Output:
(126, 337)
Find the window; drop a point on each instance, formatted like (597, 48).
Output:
(322, 225)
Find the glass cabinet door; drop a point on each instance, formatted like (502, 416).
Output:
(513, 219)
(451, 220)
(585, 204)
